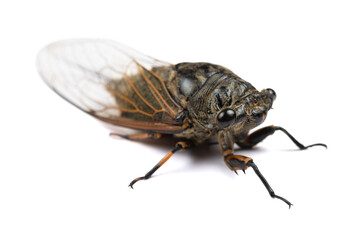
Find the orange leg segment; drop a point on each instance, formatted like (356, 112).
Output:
(178, 147)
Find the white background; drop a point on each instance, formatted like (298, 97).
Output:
(62, 177)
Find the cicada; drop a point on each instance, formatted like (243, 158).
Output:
(194, 102)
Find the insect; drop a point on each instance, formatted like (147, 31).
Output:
(193, 102)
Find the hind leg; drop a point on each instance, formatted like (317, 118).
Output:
(138, 136)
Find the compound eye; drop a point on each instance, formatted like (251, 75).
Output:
(272, 92)
(226, 118)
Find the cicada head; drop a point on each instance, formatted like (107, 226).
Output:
(226, 101)
(246, 112)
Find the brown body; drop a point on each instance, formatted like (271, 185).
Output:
(184, 100)
(191, 101)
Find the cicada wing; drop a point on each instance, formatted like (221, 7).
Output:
(109, 81)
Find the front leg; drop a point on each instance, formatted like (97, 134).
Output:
(259, 135)
(238, 162)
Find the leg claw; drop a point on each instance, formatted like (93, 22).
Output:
(135, 181)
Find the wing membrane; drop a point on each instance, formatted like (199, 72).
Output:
(113, 83)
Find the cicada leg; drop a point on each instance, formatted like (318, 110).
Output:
(138, 136)
(179, 146)
(238, 162)
(259, 135)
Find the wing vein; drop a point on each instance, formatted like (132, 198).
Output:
(131, 102)
(137, 92)
(173, 114)
(164, 86)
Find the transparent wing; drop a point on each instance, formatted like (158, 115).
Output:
(112, 82)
